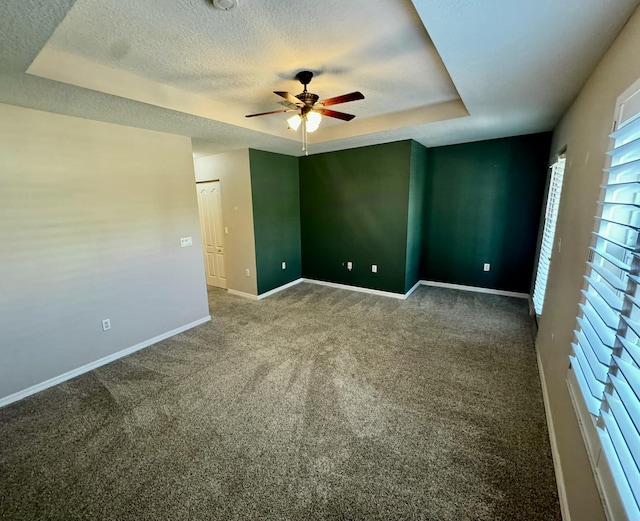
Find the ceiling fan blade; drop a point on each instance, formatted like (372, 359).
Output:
(267, 113)
(335, 114)
(288, 104)
(289, 97)
(352, 96)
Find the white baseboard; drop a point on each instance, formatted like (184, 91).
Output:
(475, 289)
(378, 292)
(242, 294)
(401, 296)
(94, 365)
(562, 493)
(323, 283)
(415, 287)
(279, 288)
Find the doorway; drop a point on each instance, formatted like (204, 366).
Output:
(212, 229)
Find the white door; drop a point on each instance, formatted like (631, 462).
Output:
(212, 227)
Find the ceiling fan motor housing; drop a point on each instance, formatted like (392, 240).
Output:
(308, 98)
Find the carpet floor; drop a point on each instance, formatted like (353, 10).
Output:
(315, 403)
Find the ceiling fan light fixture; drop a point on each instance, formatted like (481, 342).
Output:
(305, 103)
(294, 122)
(225, 5)
(313, 121)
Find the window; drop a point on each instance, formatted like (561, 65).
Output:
(605, 363)
(548, 232)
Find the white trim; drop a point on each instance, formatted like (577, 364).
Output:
(378, 292)
(555, 453)
(97, 363)
(401, 296)
(279, 288)
(605, 482)
(242, 294)
(415, 287)
(475, 289)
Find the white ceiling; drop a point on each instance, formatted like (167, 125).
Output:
(437, 71)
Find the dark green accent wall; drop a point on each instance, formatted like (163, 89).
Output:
(483, 203)
(353, 207)
(275, 192)
(436, 214)
(415, 218)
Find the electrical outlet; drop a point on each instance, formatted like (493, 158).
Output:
(186, 241)
(284, 265)
(374, 268)
(247, 272)
(349, 265)
(106, 324)
(487, 266)
(226, 230)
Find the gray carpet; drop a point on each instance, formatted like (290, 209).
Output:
(315, 403)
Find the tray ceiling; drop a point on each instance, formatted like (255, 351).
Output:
(440, 72)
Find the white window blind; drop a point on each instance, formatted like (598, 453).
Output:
(606, 353)
(548, 233)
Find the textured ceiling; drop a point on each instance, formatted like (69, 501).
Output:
(187, 68)
(239, 57)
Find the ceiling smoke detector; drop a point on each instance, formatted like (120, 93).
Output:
(225, 5)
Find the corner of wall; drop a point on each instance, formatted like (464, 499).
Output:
(234, 172)
(415, 213)
(275, 188)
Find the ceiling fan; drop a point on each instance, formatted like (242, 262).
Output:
(308, 109)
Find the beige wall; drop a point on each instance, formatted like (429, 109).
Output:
(584, 130)
(233, 171)
(91, 216)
